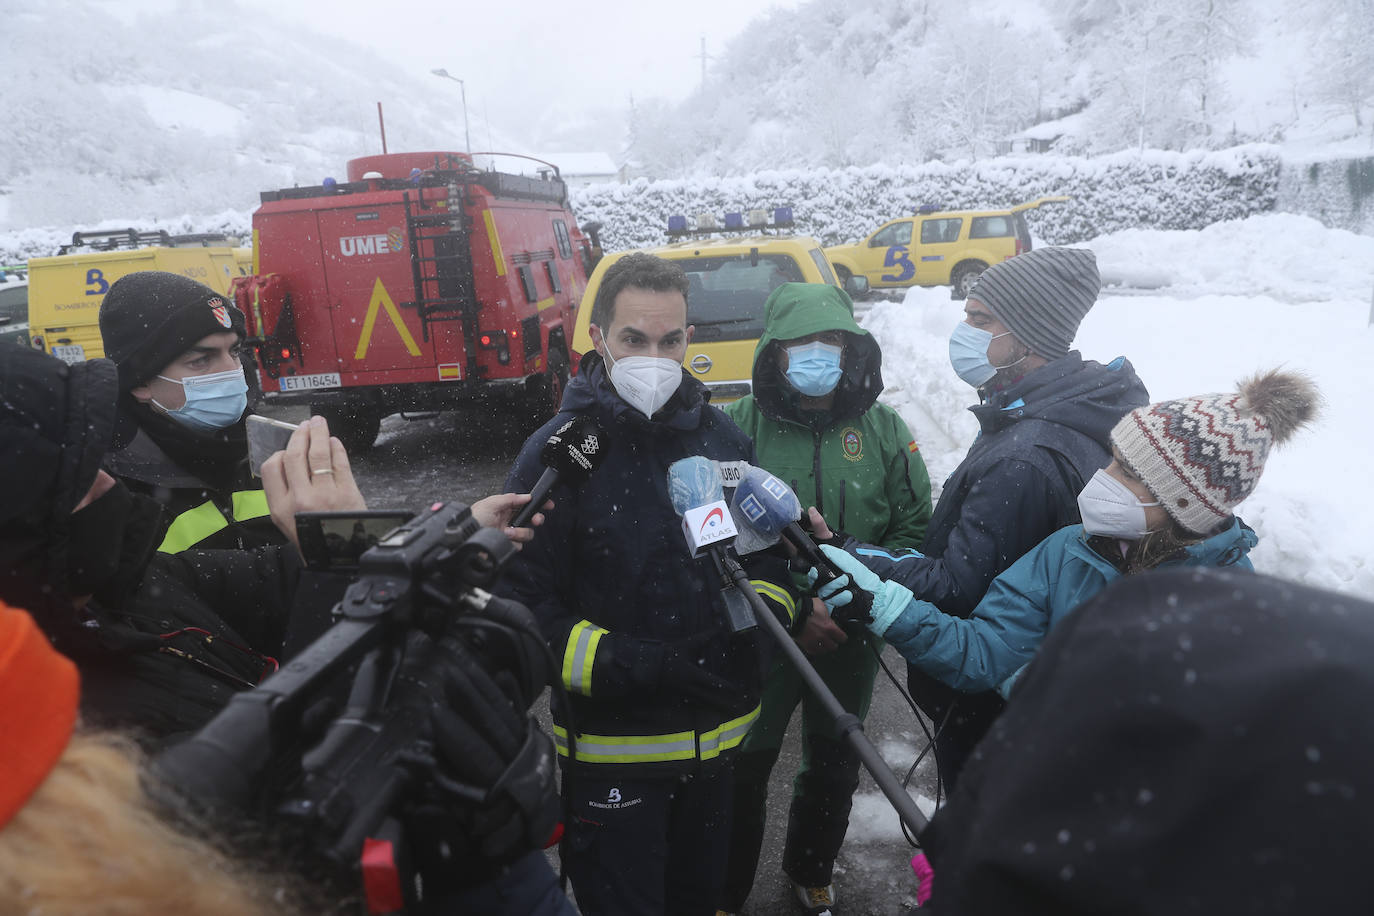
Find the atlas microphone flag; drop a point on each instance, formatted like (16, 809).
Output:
(694, 488)
(696, 492)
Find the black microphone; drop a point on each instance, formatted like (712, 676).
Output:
(569, 456)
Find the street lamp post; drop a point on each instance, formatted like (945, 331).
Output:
(467, 138)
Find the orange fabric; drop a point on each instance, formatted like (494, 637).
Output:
(39, 689)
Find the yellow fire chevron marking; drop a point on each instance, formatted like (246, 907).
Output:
(380, 297)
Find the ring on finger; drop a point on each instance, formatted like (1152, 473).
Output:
(319, 471)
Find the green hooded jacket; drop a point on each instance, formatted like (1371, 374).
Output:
(856, 462)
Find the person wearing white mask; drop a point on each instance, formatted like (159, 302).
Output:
(1178, 471)
(1044, 414)
(661, 692)
(180, 437)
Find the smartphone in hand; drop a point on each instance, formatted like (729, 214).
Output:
(265, 438)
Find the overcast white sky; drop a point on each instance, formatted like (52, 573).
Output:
(581, 54)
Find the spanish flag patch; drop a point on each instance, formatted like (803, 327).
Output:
(912, 447)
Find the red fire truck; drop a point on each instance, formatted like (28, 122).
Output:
(421, 283)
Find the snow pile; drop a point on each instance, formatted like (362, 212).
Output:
(1265, 255)
(1267, 291)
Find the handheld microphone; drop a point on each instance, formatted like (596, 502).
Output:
(569, 456)
(697, 495)
(767, 511)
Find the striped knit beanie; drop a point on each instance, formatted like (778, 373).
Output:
(1041, 296)
(1201, 456)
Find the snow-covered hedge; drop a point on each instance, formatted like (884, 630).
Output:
(1156, 189)
(1339, 192)
(1153, 189)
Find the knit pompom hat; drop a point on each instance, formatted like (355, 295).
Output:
(1201, 456)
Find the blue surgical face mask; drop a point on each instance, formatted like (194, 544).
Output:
(814, 368)
(968, 354)
(213, 401)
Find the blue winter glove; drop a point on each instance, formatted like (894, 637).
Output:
(889, 598)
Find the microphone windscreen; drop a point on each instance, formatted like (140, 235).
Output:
(764, 504)
(574, 450)
(693, 482)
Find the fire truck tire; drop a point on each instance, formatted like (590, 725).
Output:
(356, 427)
(546, 395)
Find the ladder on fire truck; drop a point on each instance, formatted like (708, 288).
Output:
(446, 291)
(441, 262)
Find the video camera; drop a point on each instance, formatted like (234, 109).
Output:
(285, 752)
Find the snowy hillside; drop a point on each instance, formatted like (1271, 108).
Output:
(114, 113)
(128, 112)
(838, 83)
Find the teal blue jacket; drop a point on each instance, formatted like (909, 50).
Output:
(990, 647)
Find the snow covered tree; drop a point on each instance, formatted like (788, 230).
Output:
(981, 79)
(1343, 60)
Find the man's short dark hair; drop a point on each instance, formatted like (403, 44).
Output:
(642, 271)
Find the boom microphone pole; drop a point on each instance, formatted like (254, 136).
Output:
(689, 483)
(848, 726)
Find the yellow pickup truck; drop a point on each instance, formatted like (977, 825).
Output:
(66, 289)
(937, 247)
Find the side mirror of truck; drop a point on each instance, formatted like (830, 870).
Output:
(856, 286)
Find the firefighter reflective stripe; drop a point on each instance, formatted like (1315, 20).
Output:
(249, 504)
(496, 252)
(579, 655)
(726, 736)
(657, 748)
(195, 525)
(382, 299)
(778, 594)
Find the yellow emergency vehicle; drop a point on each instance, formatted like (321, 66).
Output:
(732, 267)
(66, 289)
(938, 247)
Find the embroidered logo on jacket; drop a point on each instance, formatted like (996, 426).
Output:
(852, 442)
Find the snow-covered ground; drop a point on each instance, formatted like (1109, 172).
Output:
(1221, 304)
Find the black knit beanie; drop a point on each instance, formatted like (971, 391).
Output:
(1041, 296)
(151, 317)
